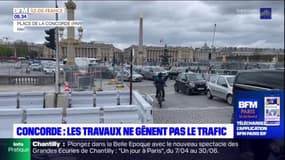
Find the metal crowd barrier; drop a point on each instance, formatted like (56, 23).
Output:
(29, 107)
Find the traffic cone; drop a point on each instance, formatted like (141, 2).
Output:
(66, 87)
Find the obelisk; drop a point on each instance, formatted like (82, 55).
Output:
(140, 47)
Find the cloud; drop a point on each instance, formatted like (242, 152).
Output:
(187, 23)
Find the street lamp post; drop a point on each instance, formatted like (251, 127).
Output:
(131, 77)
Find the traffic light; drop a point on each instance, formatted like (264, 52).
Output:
(51, 38)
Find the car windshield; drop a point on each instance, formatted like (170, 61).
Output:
(230, 80)
(180, 69)
(194, 77)
(157, 69)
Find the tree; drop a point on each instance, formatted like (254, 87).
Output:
(6, 51)
(22, 48)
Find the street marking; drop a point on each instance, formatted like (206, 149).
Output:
(166, 93)
(194, 108)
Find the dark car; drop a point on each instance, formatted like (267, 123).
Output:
(260, 80)
(104, 72)
(253, 80)
(174, 71)
(190, 83)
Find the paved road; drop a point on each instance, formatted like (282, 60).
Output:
(180, 108)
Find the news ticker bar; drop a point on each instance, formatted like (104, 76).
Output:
(139, 149)
(124, 131)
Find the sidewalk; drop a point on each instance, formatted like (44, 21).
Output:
(51, 88)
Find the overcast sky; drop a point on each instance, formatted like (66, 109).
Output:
(183, 23)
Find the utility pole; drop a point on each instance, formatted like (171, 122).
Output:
(212, 46)
(57, 83)
(131, 77)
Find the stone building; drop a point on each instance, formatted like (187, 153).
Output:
(151, 55)
(101, 51)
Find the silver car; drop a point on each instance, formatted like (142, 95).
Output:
(220, 86)
(152, 72)
(36, 67)
(125, 76)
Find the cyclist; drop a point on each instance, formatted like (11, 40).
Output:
(160, 84)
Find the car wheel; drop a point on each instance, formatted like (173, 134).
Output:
(188, 91)
(176, 88)
(209, 94)
(230, 99)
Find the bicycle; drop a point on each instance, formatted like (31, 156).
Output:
(159, 98)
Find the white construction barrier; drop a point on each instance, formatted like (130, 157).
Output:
(31, 100)
(43, 115)
(82, 99)
(8, 100)
(149, 99)
(50, 100)
(121, 114)
(109, 98)
(82, 115)
(145, 109)
(7, 118)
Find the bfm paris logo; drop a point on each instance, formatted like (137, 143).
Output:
(265, 13)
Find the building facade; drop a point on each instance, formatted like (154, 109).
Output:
(242, 54)
(100, 51)
(151, 55)
(202, 54)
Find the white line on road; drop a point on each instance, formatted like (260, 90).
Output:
(166, 93)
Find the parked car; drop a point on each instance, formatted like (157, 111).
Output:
(18, 65)
(49, 69)
(138, 69)
(174, 71)
(101, 71)
(152, 72)
(126, 75)
(221, 86)
(36, 67)
(258, 80)
(190, 83)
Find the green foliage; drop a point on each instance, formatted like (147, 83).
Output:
(22, 51)
(6, 51)
(22, 48)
